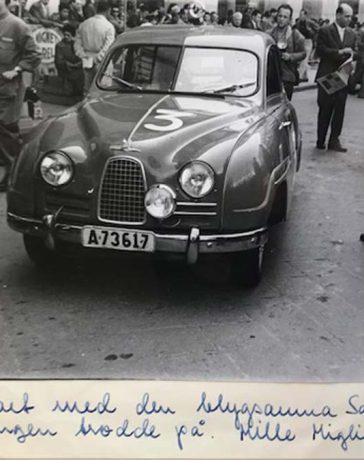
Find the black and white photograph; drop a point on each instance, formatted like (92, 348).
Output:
(182, 190)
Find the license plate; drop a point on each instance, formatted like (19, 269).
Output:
(116, 238)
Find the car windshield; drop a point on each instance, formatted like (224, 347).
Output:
(176, 69)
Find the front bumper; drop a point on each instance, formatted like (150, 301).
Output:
(191, 244)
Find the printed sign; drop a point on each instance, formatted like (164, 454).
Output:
(46, 40)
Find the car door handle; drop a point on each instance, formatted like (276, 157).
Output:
(284, 124)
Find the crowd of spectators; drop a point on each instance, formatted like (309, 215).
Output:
(71, 14)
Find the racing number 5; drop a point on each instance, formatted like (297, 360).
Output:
(174, 118)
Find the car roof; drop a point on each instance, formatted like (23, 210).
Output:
(189, 35)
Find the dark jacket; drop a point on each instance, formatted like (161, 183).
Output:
(328, 46)
(295, 48)
(68, 65)
(249, 23)
(360, 46)
(17, 48)
(88, 10)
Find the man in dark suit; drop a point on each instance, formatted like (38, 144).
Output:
(252, 21)
(335, 44)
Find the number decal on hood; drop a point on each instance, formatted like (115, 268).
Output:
(172, 116)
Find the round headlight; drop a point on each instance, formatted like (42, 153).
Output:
(160, 201)
(56, 168)
(197, 179)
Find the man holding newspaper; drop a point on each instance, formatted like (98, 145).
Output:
(335, 47)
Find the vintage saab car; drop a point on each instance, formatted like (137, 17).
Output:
(186, 143)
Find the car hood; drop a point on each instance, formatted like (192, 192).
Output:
(147, 117)
(162, 130)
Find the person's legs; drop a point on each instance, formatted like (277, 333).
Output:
(361, 90)
(10, 143)
(89, 76)
(303, 68)
(313, 56)
(356, 77)
(338, 116)
(288, 86)
(77, 81)
(326, 107)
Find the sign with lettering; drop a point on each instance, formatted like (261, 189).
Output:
(152, 419)
(46, 40)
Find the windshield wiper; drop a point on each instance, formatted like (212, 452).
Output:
(229, 89)
(123, 82)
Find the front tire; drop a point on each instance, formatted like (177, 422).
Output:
(38, 252)
(247, 268)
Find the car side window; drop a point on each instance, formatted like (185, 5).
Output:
(274, 83)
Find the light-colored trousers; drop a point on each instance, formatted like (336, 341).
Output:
(89, 76)
(303, 68)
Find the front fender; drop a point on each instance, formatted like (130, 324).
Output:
(25, 183)
(20, 195)
(250, 184)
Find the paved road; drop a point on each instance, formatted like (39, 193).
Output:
(304, 322)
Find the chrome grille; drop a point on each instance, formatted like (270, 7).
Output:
(199, 209)
(122, 192)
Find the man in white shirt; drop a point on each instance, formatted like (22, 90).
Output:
(93, 38)
(335, 44)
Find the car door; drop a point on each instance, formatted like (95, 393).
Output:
(285, 122)
(275, 107)
(284, 113)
